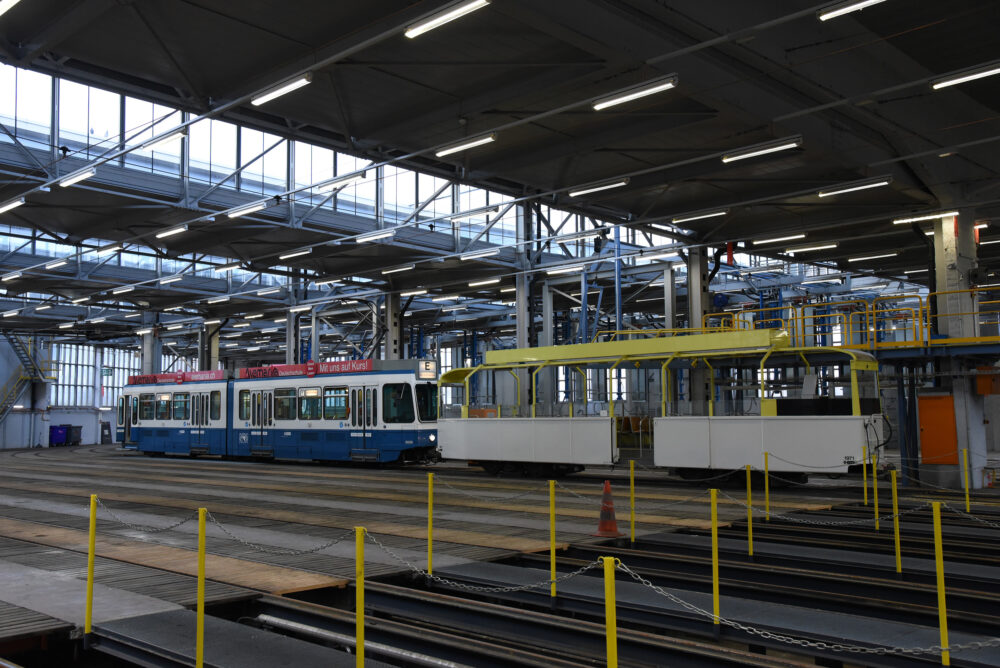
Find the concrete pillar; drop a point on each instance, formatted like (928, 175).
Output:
(291, 337)
(669, 298)
(698, 300)
(392, 341)
(152, 354)
(208, 348)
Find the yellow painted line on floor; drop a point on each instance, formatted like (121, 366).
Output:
(461, 537)
(228, 570)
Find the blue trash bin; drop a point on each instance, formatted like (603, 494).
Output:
(57, 435)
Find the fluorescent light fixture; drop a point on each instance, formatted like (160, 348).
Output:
(67, 325)
(855, 186)
(489, 252)
(217, 300)
(833, 11)
(763, 149)
(170, 279)
(254, 316)
(108, 250)
(565, 270)
(281, 89)
(455, 308)
(989, 285)
(252, 349)
(227, 267)
(80, 300)
(987, 243)
(158, 144)
(687, 218)
(172, 309)
(76, 177)
(915, 271)
(268, 291)
(373, 236)
(412, 293)
(299, 309)
(970, 75)
(269, 330)
(447, 15)
(579, 236)
(249, 208)
(813, 281)
(657, 256)
(608, 185)
(930, 216)
(340, 182)
(326, 281)
(13, 204)
(396, 270)
(242, 324)
(143, 332)
(11, 276)
(445, 298)
(774, 240)
(469, 214)
(97, 321)
(174, 328)
(488, 281)
(298, 253)
(122, 290)
(46, 307)
(56, 264)
(11, 314)
(809, 249)
(981, 226)
(5, 6)
(135, 314)
(180, 229)
(19, 407)
(871, 257)
(467, 144)
(280, 320)
(212, 322)
(636, 92)
(502, 290)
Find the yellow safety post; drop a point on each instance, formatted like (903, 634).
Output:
(610, 621)
(199, 649)
(749, 516)
(430, 523)
(939, 565)
(767, 489)
(895, 522)
(631, 490)
(359, 596)
(875, 489)
(552, 536)
(965, 467)
(864, 471)
(89, 614)
(715, 556)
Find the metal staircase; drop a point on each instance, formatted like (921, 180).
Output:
(28, 371)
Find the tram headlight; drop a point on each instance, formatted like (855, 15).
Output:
(432, 437)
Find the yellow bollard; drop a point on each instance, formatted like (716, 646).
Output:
(715, 555)
(875, 489)
(89, 614)
(895, 522)
(864, 471)
(430, 523)
(199, 649)
(939, 565)
(359, 596)
(552, 536)
(610, 620)
(767, 489)
(965, 466)
(749, 516)
(631, 488)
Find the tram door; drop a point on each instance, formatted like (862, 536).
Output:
(262, 423)
(126, 419)
(364, 421)
(198, 442)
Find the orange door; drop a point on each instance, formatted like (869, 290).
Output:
(938, 436)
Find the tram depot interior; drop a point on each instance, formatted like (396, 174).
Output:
(392, 289)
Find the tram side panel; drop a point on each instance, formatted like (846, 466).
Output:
(185, 419)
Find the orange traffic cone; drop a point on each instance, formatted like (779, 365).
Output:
(607, 527)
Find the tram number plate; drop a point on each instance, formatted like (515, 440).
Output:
(849, 459)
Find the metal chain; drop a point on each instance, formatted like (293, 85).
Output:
(487, 498)
(806, 466)
(139, 527)
(715, 477)
(673, 503)
(277, 550)
(801, 520)
(811, 644)
(476, 588)
(567, 489)
(994, 525)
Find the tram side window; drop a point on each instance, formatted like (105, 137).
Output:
(335, 403)
(397, 403)
(244, 404)
(121, 410)
(354, 407)
(135, 410)
(284, 404)
(145, 406)
(216, 402)
(310, 403)
(427, 402)
(162, 406)
(182, 406)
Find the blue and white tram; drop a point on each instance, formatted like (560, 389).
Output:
(359, 410)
